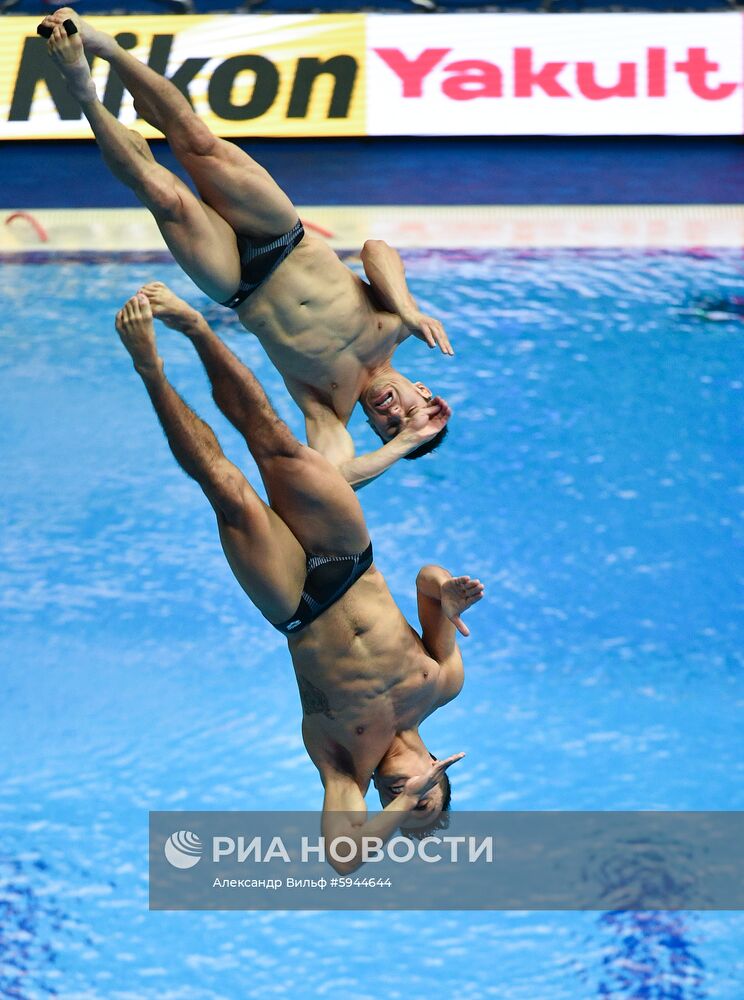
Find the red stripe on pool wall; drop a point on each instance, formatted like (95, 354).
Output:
(741, 72)
(35, 224)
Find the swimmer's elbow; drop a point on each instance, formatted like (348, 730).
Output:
(345, 867)
(349, 834)
(430, 578)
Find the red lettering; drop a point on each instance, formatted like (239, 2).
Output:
(697, 68)
(412, 72)
(471, 78)
(625, 87)
(656, 72)
(526, 78)
(475, 78)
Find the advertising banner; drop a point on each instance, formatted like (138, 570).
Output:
(245, 75)
(389, 74)
(585, 74)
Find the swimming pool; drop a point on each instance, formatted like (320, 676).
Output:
(592, 480)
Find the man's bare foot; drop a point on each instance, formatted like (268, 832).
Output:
(174, 312)
(67, 52)
(134, 326)
(95, 42)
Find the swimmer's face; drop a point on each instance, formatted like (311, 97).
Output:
(391, 400)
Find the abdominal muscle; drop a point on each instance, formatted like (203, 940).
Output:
(315, 319)
(363, 676)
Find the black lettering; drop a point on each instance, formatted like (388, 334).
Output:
(160, 53)
(342, 68)
(185, 74)
(36, 67)
(264, 89)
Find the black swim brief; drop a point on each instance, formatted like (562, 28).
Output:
(260, 259)
(328, 578)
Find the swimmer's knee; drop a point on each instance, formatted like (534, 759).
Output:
(159, 192)
(281, 444)
(156, 187)
(229, 493)
(188, 134)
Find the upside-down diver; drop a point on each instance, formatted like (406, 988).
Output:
(367, 680)
(330, 334)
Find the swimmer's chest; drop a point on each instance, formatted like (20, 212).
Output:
(319, 365)
(359, 699)
(351, 746)
(316, 322)
(351, 721)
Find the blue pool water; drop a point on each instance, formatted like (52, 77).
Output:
(592, 479)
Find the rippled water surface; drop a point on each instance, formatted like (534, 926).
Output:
(592, 478)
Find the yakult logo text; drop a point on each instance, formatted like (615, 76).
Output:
(467, 79)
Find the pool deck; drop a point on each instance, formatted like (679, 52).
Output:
(132, 230)
(488, 192)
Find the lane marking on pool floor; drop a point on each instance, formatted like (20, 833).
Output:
(442, 227)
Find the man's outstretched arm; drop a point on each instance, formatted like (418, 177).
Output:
(387, 276)
(327, 434)
(324, 431)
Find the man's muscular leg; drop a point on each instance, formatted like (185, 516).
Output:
(264, 555)
(307, 492)
(202, 242)
(229, 180)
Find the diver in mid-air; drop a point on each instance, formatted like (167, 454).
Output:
(367, 680)
(330, 334)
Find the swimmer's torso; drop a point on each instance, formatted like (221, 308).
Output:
(363, 676)
(316, 321)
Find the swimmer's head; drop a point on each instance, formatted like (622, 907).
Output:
(430, 812)
(391, 401)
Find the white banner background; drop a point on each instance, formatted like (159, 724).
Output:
(606, 40)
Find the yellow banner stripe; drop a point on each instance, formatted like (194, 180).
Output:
(260, 75)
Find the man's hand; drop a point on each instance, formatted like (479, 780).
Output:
(457, 595)
(429, 330)
(417, 786)
(425, 423)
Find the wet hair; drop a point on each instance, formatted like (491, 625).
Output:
(442, 820)
(423, 449)
(444, 784)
